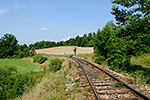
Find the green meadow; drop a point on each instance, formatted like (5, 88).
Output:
(22, 65)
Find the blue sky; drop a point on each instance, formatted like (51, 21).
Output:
(52, 20)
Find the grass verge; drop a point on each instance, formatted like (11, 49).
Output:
(60, 85)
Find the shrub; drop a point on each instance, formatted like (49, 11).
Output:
(55, 64)
(71, 56)
(39, 58)
(14, 84)
(9, 57)
(14, 56)
(118, 84)
(21, 55)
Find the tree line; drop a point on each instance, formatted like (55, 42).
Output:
(9, 47)
(85, 41)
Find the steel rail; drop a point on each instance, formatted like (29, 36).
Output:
(98, 98)
(129, 87)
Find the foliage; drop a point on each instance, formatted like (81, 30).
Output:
(14, 84)
(84, 42)
(21, 54)
(58, 86)
(9, 48)
(39, 58)
(8, 45)
(77, 41)
(108, 46)
(118, 84)
(135, 30)
(33, 52)
(79, 66)
(55, 64)
(130, 10)
(75, 50)
(77, 80)
(117, 44)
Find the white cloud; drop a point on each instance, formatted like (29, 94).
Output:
(43, 28)
(2, 10)
(18, 7)
(66, 38)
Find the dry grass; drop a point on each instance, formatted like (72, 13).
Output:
(143, 60)
(66, 50)
(60, 85)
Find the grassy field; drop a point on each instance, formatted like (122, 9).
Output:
(22, 65)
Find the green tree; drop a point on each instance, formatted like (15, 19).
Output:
(108, 47)
(89, 36)
(84, 42)
(91, 43)
(128, 10)
(78, 40)
(8, 45)
(33, 52)
(133, 15)
(75, 50)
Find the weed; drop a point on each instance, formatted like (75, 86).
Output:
(118, 84)
(79, 66)
(89, 89)
(124, 73)
(77, 80)
(130, 81)
(71, 56)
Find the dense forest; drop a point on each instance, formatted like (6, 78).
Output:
(115, 44)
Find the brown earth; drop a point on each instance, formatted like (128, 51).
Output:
(66, 50)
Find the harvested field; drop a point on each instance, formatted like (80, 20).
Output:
(66, 50)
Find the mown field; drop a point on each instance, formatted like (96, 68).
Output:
(22, 65)
(66, 50)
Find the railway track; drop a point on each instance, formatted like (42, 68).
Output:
(106, 86)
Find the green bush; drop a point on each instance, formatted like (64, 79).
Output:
(39, 58)
(55, 64)
(13, 84)
(21, 55)
(14, 56)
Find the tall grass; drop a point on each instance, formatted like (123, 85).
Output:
(60, 85)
